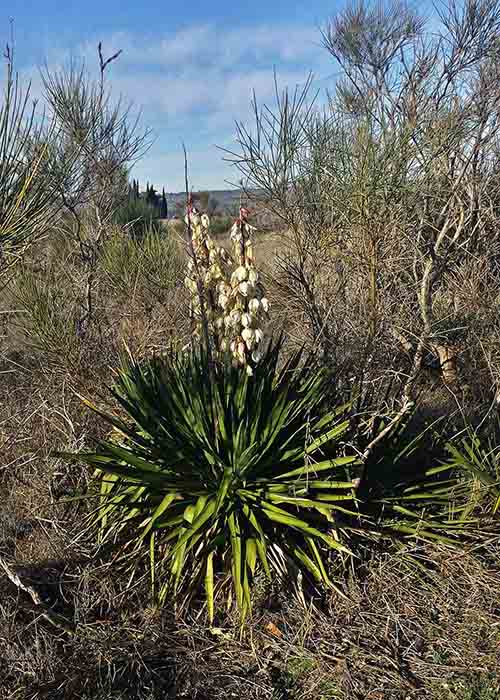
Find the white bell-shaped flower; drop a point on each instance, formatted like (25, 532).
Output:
(190, 284)
(235, 316)
(246, 320)
(241, 351)
(235, 233)
(253, 276)
(253, 306)
(249, 337)
(241, 273)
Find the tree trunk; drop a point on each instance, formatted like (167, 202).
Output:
(447, 362)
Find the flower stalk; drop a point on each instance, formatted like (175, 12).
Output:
(228, 289)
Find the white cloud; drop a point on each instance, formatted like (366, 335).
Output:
(193, 84)
(223, 47)
(206, 169)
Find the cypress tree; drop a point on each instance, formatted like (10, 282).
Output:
(151, 196)
(164, 205)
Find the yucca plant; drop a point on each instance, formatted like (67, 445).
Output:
(214, 473)
(220, 478)
(418, 486)
(478, 460)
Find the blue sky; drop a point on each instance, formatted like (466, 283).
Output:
(191, 67)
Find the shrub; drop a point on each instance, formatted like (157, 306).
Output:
(220, 476)
(137, 217)
(220, 225)
(29, 196)
(150, 263)
(48, 312)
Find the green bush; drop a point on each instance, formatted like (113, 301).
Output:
(137, 217)
(220, 225)
(48, 311)
(150, 264)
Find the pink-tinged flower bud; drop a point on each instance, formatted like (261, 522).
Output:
(241, 350)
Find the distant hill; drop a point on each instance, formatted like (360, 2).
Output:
(228, 201)
(224, 202)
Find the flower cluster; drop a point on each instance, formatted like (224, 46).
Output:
(242, 300)
(206, 268)
(235, 305)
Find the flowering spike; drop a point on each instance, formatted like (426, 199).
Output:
(235, 304)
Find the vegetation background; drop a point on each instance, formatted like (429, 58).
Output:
(378, 245)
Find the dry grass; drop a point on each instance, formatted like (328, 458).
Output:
(396, 636)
